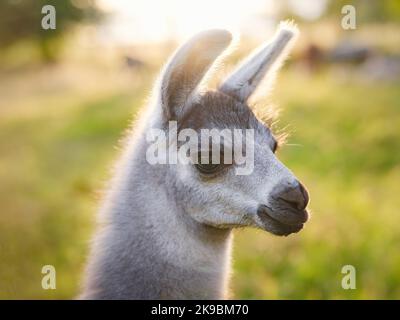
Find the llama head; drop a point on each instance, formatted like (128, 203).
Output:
(209, 184)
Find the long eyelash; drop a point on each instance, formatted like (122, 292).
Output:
(267, 115)
(281, 138)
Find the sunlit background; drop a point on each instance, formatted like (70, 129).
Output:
(67, 96)
(159, 21)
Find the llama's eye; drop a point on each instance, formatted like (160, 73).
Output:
(205, 166)
(208, 168)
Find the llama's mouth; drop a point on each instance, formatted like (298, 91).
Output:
(280, 226)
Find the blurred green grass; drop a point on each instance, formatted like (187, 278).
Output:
(57, 148)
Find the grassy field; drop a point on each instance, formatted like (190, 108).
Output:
(58, 141)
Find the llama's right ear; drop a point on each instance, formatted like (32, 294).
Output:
(187, 67)
(261, 65)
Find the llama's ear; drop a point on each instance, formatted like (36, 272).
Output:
(261, 64)
(187, 67)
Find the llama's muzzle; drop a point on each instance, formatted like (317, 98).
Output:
(286, 211)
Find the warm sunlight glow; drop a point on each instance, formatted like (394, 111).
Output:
(155, 20)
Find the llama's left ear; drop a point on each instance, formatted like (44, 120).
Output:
(187, 67)
(260, 65)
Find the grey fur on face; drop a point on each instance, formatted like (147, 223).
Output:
(165, 230)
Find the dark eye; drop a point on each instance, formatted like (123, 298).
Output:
(208, 168)
(275, 146)
(205, 166)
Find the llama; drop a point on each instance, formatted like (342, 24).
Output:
(166, 229)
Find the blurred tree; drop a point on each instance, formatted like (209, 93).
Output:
(20, 20)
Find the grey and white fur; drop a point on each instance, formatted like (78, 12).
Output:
(165, 231)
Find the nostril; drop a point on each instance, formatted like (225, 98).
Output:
(293, 203)
(296, 197)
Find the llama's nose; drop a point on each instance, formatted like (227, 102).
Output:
(295, 195)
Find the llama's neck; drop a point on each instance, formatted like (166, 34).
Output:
(150, 247)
